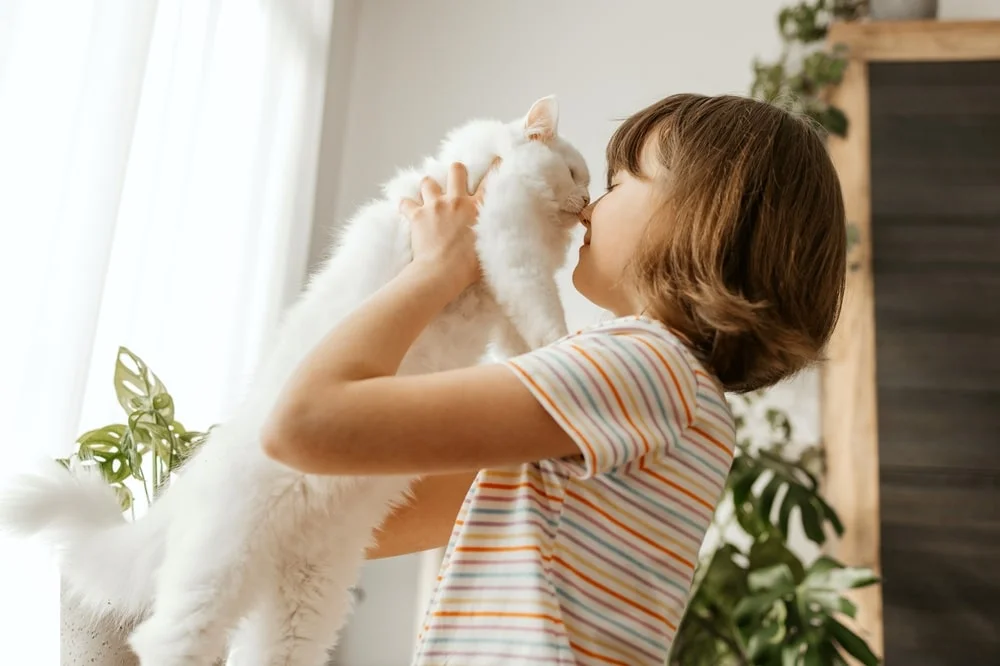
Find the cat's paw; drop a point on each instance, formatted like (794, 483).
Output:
(159, 644)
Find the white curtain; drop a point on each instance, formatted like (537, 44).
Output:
(157, 172)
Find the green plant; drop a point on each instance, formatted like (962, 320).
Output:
(149, 446)
(761, 604)
(802, 75)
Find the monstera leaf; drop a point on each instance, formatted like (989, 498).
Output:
(151, 439)
(785, 490)
(759, 603)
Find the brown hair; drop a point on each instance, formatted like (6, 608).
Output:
(746, 256)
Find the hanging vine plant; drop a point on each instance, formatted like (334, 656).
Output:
(801, 78)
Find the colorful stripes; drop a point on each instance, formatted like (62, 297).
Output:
(590, 561)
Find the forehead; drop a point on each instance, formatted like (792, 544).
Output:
(637, 149)
(651, 159)
(648, 162)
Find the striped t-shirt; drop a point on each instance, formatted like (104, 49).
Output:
(589, 560)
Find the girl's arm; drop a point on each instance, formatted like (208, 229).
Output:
(346, 412)
(426, 522)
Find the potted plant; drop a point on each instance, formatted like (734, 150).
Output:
(139, 455)
(755, 601)
(148, 448)
(903, 10)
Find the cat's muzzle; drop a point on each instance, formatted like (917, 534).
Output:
(575, 203)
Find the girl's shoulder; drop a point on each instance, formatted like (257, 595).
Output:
(640, 326)
(677, 352)
(622, 389)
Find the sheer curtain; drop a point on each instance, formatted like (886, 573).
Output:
(157, 172)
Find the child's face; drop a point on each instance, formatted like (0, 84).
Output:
(615, 224)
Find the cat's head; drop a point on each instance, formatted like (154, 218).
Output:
(532, 142)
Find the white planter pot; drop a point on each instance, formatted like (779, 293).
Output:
(902, 10)
(86, 641)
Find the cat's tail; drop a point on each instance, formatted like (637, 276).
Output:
(106, 562)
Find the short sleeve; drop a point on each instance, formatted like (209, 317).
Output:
(621, 395)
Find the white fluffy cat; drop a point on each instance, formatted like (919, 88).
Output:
(239, 541)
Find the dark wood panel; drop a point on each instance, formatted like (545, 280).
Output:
(961, 143)
(965, 541)
(906, 244)
(955, 599)
(926, 80)
(920, 357)
(913, 433)
(906, 102)
(969, 497)
(935, 151)
(940, 605)
(964, 296)
(938, 198)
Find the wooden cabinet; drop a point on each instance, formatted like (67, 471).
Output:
(911, 391)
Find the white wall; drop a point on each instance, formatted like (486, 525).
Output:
(404, 72)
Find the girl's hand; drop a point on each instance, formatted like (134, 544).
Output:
(441, 226)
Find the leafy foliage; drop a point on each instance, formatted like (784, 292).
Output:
(149, 446)
(799, 79)
(761, 605)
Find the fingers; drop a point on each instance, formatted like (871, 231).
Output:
(457, 186)
(429, 189)
(481, 189)
(408, 207)
(458, 180)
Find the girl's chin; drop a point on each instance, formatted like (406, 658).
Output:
(580, 280)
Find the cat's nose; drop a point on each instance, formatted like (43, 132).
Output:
(586, 199)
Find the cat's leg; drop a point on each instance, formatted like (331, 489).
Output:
(200, 593)
(532, 312)
(297, 620)
(507, 340)
(310, 595)
(521, 244)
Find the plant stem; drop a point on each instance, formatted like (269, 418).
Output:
(731, 643)
(156, 469)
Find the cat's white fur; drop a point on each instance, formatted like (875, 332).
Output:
(241, 542)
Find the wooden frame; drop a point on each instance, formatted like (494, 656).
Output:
(848, 388)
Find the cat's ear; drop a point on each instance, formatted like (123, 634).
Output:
(542, 120)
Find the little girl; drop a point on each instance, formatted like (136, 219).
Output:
(590, 469)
